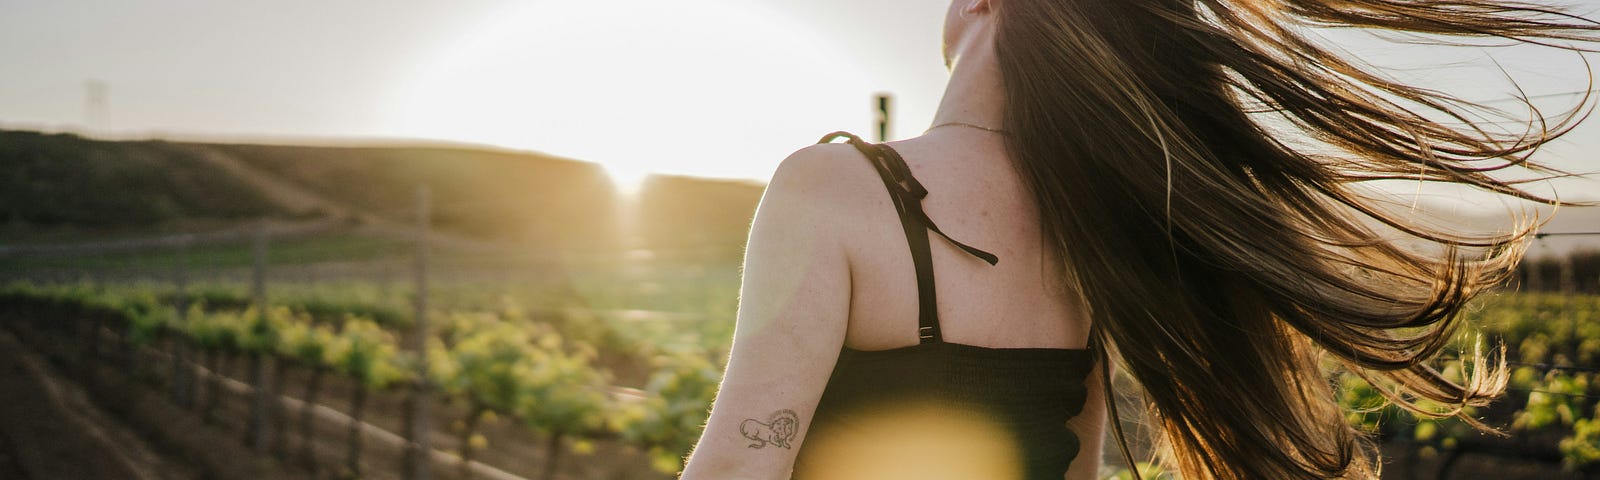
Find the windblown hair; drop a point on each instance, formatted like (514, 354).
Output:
(1224, 265)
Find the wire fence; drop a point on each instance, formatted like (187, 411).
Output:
(416, 275)
(404, 277)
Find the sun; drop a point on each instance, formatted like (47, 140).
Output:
(626, 179)
(697, 87)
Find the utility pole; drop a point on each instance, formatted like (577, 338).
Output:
(95, 116)
(883, 117)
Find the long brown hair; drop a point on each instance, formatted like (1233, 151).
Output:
(1222, 262)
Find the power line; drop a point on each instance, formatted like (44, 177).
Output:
(1563, 234)
(1542, 95)
(1548, 366)
(1545, 366)
(1547, 392)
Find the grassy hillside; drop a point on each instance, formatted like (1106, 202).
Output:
(518, 195)
(687, 212)
(499, 195)
(480, 193)
(52, 180)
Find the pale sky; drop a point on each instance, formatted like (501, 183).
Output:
(723, 88)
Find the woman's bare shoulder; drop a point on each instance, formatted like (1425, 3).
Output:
(829, 174)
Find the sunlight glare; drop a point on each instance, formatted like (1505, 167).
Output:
(697, 87)
(625, 179)
(917, 440)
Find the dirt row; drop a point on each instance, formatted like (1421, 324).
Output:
(217, 449)
(59, 420)
(49, 428)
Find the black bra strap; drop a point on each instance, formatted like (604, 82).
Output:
(907, 194)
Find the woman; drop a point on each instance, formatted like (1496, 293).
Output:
(1109, 192)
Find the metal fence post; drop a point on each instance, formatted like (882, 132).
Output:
(416, 463)
(257, 434)
(182, 373)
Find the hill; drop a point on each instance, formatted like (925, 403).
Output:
(480, 193)
(53, 180)
(56, 179)
(525, 198)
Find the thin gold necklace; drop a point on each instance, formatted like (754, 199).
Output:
(965, 124)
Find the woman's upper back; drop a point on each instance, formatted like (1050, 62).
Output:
(994, 403)
(976, 198)
(820, 282)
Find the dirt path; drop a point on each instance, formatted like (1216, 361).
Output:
(282, 192)
(372, 433)
(50, 429)
(297, 198)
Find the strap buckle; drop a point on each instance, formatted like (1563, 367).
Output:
(924, 333)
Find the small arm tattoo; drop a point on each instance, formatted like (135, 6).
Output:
(778, 430)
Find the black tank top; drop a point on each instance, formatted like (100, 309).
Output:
(1021, 397)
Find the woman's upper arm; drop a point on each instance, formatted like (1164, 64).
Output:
(794, 302)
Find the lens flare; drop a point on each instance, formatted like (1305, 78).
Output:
(925, 440)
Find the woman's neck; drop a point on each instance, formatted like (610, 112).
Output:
(975, 93)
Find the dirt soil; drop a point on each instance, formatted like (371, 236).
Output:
(49, 428)
(158, 439)
(53, 427)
